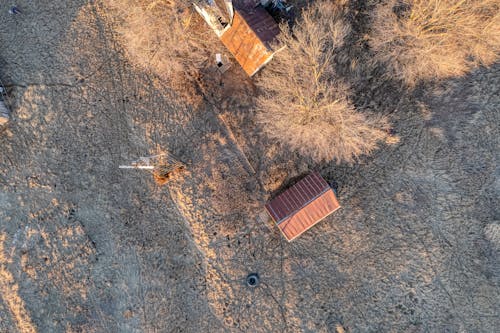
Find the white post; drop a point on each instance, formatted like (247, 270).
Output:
(147, 167)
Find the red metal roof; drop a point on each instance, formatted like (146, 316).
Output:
(258, 20)
(249, 35)
(302, 205)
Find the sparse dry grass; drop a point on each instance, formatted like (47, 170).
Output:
(173, 260)
(427, 39)
(166, 37)
(9, 293)
(303, 104)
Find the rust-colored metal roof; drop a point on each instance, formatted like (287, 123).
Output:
(249, 35)
(259, 20)
(302, 205)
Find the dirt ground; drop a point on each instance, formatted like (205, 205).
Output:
(87, 247)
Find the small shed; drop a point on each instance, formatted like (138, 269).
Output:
(247, 34)
(302, 205)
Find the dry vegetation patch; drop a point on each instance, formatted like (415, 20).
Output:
(165, 37)
(108, 251)
(422, 39)
(303, 103)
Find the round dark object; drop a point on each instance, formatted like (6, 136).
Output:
(253, 280)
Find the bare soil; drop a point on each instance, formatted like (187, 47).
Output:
(87, 247)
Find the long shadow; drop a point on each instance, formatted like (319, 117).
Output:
(81, 110)
(390, 258)
(387, 260)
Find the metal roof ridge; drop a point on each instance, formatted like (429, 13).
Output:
(302, 206)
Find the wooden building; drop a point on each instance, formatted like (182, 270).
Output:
(245, 28)
(302, 205)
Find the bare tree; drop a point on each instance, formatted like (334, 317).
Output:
(426, 39)
(303, 104)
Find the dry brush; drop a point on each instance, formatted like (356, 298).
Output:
(167, 38)
(432, 39)
(303, 103)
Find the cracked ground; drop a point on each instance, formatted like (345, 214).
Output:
(87, 247)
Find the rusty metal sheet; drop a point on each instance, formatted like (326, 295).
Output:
(259, 20)
(245, 44)
(302, 205)
(310, 215)
(297, 197)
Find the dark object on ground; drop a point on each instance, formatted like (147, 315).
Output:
(14, 10)
(253, 280)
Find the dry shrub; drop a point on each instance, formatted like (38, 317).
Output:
(163, 174)
(166, 37)
(426, 39)
(302, 102)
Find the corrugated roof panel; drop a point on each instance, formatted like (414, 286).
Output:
(306, 190)
(310, 215)
(259, 20)
(248, 45)
(302, 205)
(243, 52)
(297, 196)
(316, 182)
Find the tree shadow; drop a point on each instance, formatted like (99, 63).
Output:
(80, 111)
(402, 221)
(386, 260)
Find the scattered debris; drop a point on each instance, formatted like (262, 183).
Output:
(223, 64)
(163, 166)
(218, 59)
(339, 328)
(276, 4)
(128, 314)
